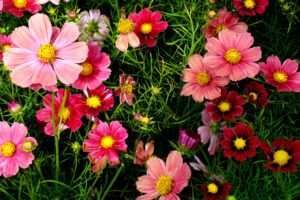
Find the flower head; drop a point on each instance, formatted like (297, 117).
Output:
(164, 179)
(283, 155)
(285, 77)
(125, 90)
(250, 7)
(257, 94)
(211, 13)
(141, 155)
(215, 190)
(231, 55)
(147, 26)
(188, 139)
(29, 144)
(239, 142)
(17, 7)
(14, 107)
(12, 141)
(6, 43)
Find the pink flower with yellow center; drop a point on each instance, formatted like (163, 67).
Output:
(104, 141)
(285, 77)
(250, 7)
(12, 141)
(231, 55)
(17, 7)
(6, 43)
(164, 179)
(202, 81)
(43, 52)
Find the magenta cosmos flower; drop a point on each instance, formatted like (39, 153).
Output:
(17, 7)
(202, 81)
(67, 115)
(12, 156)
(43, 52)
(125, 89)
(148, 26)
(14, 107)
(230, 55)
(6, 43)
(285, 77)
(250, 7)
(94, 69)
(225, 20)
(188, 139)
(105, 140)
(164, 179)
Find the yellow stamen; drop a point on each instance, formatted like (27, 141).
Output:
(220, 27)
(107, 142)
(20, 3)
(203, 78)
(47, 53)
(145, 120)
(146, 28)
(28, 145)
(8, 149)
(239, 143)
(212, 13)
(127, 88)
(280, 77)
(212, 188)
(224, 106)
(94, 126)
(87, 69)
(65, 114)
(5, 47)
(254, 95)
(125, 26)
(233, 56)
(281, 157)
(93, 101)
(164, 185)
(249, 4)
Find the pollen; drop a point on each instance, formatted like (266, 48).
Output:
(145, 120)
(125, 26)
(107, 142)
(8, 149)
(212, 13)
(87, 69)
(65, 114)
(93, 102)
(127, 88)
(47, 53)
(254, 95)
(233, 56)
(224, 106)
(20, 3)
(220, 27)
(94, 126)
(280, 77)
(212, 188)
(146, 28)
(5, 47)
(281, 157)
(164, 185)
(28, 145)
(249, 4)
(239, 143)
(203, 78)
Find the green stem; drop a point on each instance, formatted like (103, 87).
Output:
(57, 159)
(112, 182)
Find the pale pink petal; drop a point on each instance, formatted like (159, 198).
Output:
(236, 73)
(250, 69)
(205, 133)
(148, 196)
(133, 40)
(146, 184)
(23, 39)
(196, 62)
(220, 81)
(56, 2)
(23, 159)
(156, 167)
(189, 75)
(40, 27)
(4, 132)
(223, 70)
(214, 61)
(68, 34)
(171, 196)
(243, 41)
(212, 92)
(198, 94)
(13, 57)
(10, 167)
(227, 38)
(122, 43)
(290, 67)
(206, 118)
(252, 54)
(18, 133)
(239, 27)
(66, 72)
(76, 52)
(189, 89)
(44, 75)
(214, 145)
(55, 33)
(174, 162)
(181, 178)
(213, 45)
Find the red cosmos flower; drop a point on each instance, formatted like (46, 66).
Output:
(68, 115)
(239, 142)
(16, 7)
(142, 155)
(125, 89)
(284, 157)
(97, 100)
(147, 26)
(249, 7)
(216, 190)
(6, 43)
(228, 106)
(257, 94)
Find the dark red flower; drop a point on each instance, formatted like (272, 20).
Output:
(227, 106)
(188, 139)
(97, 100)
(239, 142)
(284, 157)
(250, 7)
(216, 190)
(257, 94)
(147, 26)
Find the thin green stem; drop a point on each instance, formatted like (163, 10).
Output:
(112, 182)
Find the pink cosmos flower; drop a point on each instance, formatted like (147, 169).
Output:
(67, 115)
(11, 154)
(225, 20)
(97, 100)
(125, 89)
(105, 140)
(1, 5)
(56, 2)
(14, 107)
(164, 179)
(250, 7)
(6, 43)
(94, 69)
(202, 81)
(148, 26)
(16, 7)
(231, 55)
(285, 77)
(43, 52)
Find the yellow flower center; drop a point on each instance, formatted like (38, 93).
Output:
(8, 149)
(213, 13)
(127, 88)
(47, 53)
(94, 126)
(212, 188)
(239, 143)
(203, 78)
(280, 77)
(7, 46)
(125, 26)
(107, 142)
(233, 56)
(249, 4)
(220, 27)
(27, 145)
(65, 114)
(20, 3)
(281, 157)
(145, 120)
(224, 106)
(146, 28)
(87, 69)
(254, 95)
(93, 102)
(164, 185)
